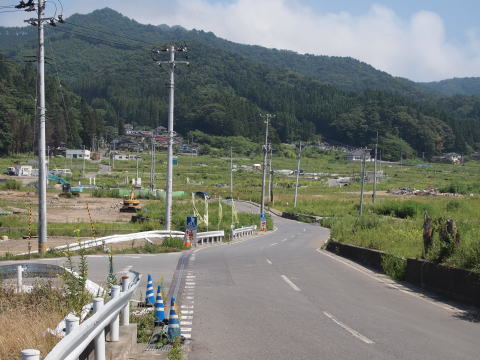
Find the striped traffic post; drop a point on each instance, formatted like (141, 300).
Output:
(173, 323)
(150, 298)
(159, 308)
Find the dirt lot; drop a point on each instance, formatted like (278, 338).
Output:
(67, 210)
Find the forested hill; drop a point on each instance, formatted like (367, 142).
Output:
(457, 86)
(106, 58)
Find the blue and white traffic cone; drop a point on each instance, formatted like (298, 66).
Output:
(173, 323)
(159, 308)
(150, 298)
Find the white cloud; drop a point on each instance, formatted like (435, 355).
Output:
(416, 48)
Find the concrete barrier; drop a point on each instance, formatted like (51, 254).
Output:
(454, 283)
(369, 257)
(301, 217)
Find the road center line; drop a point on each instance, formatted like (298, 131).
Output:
(274, 244)
(289, 282)
(349, 329)
(269, 261)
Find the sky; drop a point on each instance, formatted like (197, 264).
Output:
(422, 40)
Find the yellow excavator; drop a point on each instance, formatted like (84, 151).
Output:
(130, 203)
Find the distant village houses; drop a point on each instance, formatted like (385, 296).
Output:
(77, 154)
(357, 155)
(449, 158)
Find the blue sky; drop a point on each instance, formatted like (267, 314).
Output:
(422, 40)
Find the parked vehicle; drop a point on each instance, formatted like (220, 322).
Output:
(203, 195)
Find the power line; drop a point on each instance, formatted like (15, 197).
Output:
(108, 33)
(108, 41)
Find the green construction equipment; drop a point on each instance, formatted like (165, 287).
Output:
(66, 187)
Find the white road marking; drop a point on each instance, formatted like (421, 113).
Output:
(186, 330)
(191, 276)
(190, 283)
(349, 329)
(186, 306)
(185, 323)
(273, 244)
(284, 240)
(186, 312)
(190, 287)
(289, 282)
(189, 297)
(187, 336)
(304, 230)
(390, 284)
(187, 317)
(268, 261)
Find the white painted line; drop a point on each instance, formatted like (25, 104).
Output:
(186, 329)
(185, 323)
(284, 240)
(304, 230)
(289, 282)
(268, 261)
(190, 276)
(390, 284)
(189, 297)
(190, 283)
(273, 244)
(187, 317)
(186, 307)
(187, 336)
(186, 312)
(349, 329)
(189, 287)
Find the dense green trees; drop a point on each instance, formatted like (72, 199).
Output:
(224, 91)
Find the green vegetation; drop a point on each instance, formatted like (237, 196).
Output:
(226, 88)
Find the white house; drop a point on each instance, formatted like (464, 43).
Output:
(77, 154)
(358, 155)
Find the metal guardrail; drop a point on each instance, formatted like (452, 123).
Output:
(210, 236)
(80, 336)
(243, 231)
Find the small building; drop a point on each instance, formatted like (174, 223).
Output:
(23, 170)
(126, 157)
(77, 154)
(449, 158)
(357, 155)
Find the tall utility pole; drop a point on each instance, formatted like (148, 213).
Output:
(298, 173)
(265, 153)
(152, 166)
(42, 173)
(171, 49)
(363, 183)
(374, 194)
(231, 173)
(270, 177)
(136, 179)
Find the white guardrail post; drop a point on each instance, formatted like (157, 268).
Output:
(30, 354)
(125, 313)
(19, 278)
(100, 338)
(115, 324)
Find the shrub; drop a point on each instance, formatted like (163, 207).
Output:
(401, 209)
(12, 185)
(173, 243)
(394, 266)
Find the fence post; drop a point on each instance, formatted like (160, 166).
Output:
(71, 322)
(30, 354)
(125, 312)
(19, 278)
(115, 324)
(100, 338)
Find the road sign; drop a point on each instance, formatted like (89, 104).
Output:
(263, 222)
(191, 230)
(192, 222)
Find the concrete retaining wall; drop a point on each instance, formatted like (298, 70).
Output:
(301, 217)
(454, 283)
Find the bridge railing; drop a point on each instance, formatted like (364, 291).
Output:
(243, 231)
(79, 336)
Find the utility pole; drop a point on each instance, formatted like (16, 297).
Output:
(231, 173)
(136, 179)
(42, 174)
(265, 152)
(83, 166)
(363, 183)
(152, 166)
(172, 50)
(270, 177)
(374, 194)
(298, 174)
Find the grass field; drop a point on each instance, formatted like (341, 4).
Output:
(382, 227)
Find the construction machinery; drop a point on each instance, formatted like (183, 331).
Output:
(130, 203)
(66, 187)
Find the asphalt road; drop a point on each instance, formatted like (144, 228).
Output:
(279, 297)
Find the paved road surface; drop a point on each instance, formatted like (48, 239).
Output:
(278, 297)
